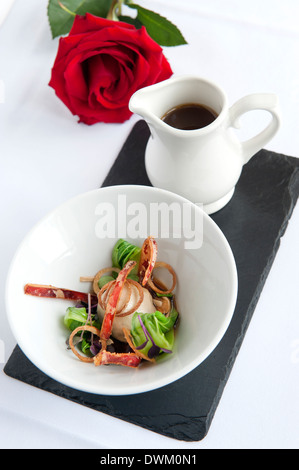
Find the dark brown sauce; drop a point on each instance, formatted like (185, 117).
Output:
(189, 116)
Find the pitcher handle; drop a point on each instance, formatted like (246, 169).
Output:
(263, 101)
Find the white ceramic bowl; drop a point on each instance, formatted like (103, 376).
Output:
(66, 244)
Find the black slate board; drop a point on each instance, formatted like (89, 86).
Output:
(253, 222)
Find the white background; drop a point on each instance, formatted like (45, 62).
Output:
(46, 158)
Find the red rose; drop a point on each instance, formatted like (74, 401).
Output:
(101, 63)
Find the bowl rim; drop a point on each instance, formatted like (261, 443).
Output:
(175, 375)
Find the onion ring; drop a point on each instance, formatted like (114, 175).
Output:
(98, 276)
(113, 300)
(123, 302)
(104, 294)
(90, 328)
(161, 264)
(121, 313)
(105, 289)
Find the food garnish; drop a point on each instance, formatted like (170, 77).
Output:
(129, 317)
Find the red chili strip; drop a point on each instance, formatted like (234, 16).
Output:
(57, 293)
(148, 259)
(113, 300)
(123, 359)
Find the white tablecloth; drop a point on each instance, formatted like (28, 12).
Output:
(46, 158)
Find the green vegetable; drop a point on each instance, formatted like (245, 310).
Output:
(85, 346)
(164, 295)
(104, 280)
(153, 333)
(75, 317)
(124, 251)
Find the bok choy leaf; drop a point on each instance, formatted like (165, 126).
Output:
(123, 252)
(153, 333)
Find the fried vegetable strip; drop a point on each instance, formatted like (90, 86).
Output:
(123, 359)
(57, 292)
(114, 296)
(148, 259)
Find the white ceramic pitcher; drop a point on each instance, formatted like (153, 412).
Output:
(203, 165)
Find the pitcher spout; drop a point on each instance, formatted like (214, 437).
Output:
(154, 101)
(145, 103)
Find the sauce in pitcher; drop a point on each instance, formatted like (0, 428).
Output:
(189, 116)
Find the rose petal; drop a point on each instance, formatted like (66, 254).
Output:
(89, 23)
(75, 80)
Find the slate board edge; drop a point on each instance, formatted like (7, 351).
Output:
(294, 194)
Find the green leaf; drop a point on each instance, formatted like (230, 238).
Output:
(159, 28)
(124, 251)
(61, 13)
(104, 280)
(164, 295)
(159, 328)
(128, 19)
(75, 317)
(95, 7)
